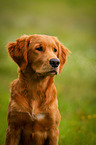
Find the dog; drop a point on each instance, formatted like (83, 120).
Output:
(33, 115)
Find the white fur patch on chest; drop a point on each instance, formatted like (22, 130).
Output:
(40, 116)
(35, 115)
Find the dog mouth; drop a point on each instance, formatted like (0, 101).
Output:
(53, 72)
(49, 73)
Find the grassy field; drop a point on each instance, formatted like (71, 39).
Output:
(73, 22)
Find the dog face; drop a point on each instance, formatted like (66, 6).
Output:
(44, 54)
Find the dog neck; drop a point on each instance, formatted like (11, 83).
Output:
(36, 84)
(29, 75)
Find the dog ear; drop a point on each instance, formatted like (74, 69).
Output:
(62, 53)
(18, 51)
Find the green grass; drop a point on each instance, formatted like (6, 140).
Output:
(73, 22)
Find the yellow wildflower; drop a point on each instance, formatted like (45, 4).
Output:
(94, 115)
(89, 116)
(82, 117)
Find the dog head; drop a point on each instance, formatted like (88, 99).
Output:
(44, 54)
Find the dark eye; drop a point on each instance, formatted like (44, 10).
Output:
(55, 50)
(39, 49)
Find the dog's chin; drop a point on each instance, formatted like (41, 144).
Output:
(47, 73)
(52, 73)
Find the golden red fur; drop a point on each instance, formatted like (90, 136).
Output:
(33, 115)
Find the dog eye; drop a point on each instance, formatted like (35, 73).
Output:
(39, 49)
(55, 50)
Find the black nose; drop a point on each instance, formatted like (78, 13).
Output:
(54, 62)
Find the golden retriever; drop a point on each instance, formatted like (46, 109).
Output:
(33, 115)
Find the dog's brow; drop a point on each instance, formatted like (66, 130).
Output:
(38, 41)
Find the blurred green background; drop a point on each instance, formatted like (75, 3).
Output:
(73, 22)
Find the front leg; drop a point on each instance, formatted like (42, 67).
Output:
(53, 137)
(12, 136)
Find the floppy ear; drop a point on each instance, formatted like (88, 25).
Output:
(18, 51)
(62, 53)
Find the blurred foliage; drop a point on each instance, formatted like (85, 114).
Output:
(73, 22)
